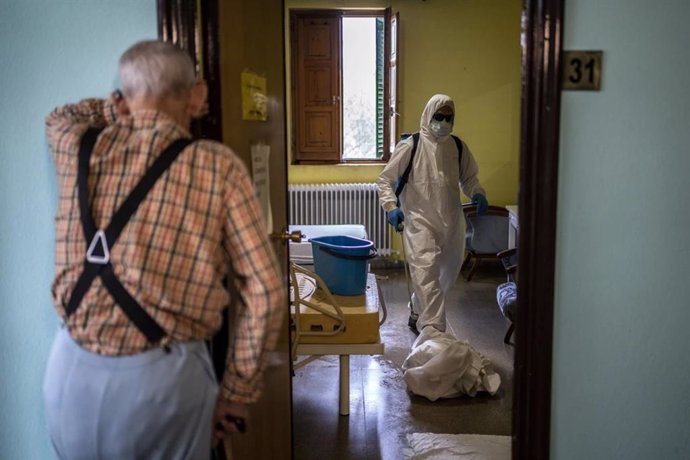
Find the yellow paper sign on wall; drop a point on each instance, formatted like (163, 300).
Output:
(254, 99)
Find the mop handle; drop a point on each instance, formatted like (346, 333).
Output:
(407, 268)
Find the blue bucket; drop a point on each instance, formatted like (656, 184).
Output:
(341, 261)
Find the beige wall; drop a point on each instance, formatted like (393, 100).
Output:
(467, 49)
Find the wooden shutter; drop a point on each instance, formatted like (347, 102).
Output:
(393, 54)
(381, 100)
(315, 47)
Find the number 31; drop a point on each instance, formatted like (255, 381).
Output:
(576, 73)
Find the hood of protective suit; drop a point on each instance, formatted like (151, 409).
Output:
(436, 102)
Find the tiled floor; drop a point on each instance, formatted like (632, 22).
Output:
(382, 411)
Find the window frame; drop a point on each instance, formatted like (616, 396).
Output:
(297, 112)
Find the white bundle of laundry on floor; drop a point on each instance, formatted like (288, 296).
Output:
(441, 366)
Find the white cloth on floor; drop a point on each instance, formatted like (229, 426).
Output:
(434, 446)
(441, 366)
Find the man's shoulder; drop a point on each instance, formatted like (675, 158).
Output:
(214, 148)
(219, 153)
(404, 145)
(211, 145)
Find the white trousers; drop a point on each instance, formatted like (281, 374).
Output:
(434, 265)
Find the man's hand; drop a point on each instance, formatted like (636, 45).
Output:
(396, 218)
(480, 201)
(229, 417)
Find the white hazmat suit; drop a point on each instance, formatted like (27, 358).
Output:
(434, 226)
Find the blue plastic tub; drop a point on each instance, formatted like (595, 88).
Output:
(342, 262)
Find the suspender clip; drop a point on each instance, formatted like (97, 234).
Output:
(103, 259)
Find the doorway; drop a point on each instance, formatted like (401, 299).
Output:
(541, 49)
(479, 65)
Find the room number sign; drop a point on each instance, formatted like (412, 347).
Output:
(582, 70)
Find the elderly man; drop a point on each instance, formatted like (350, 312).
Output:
(148, 228)
(429, 214)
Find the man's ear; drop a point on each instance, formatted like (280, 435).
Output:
(198, 105)
(120, 104)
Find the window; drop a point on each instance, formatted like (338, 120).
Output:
(343, 74)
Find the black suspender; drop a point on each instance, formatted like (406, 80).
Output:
(403, 179)
(100, 242)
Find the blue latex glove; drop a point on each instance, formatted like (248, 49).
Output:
(396, 218)
(479, 200)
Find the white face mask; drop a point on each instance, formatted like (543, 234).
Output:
(440, 128)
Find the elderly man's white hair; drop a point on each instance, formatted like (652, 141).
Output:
(154, 68)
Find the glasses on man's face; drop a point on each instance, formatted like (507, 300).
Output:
(441, 117)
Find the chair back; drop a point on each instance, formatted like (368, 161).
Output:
(488, 233)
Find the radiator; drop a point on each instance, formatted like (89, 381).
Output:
(337, 204)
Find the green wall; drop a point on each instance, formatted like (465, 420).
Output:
(52, 53)
(468, 49)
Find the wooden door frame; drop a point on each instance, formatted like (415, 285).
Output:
(179, 23)
(542, 32)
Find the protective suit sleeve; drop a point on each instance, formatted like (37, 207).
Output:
(388, 178)
(469, 182)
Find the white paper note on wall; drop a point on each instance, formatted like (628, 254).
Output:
(260, 156)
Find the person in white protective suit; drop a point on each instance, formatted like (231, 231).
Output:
(433, 231)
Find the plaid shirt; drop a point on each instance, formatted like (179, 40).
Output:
(200, 222)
